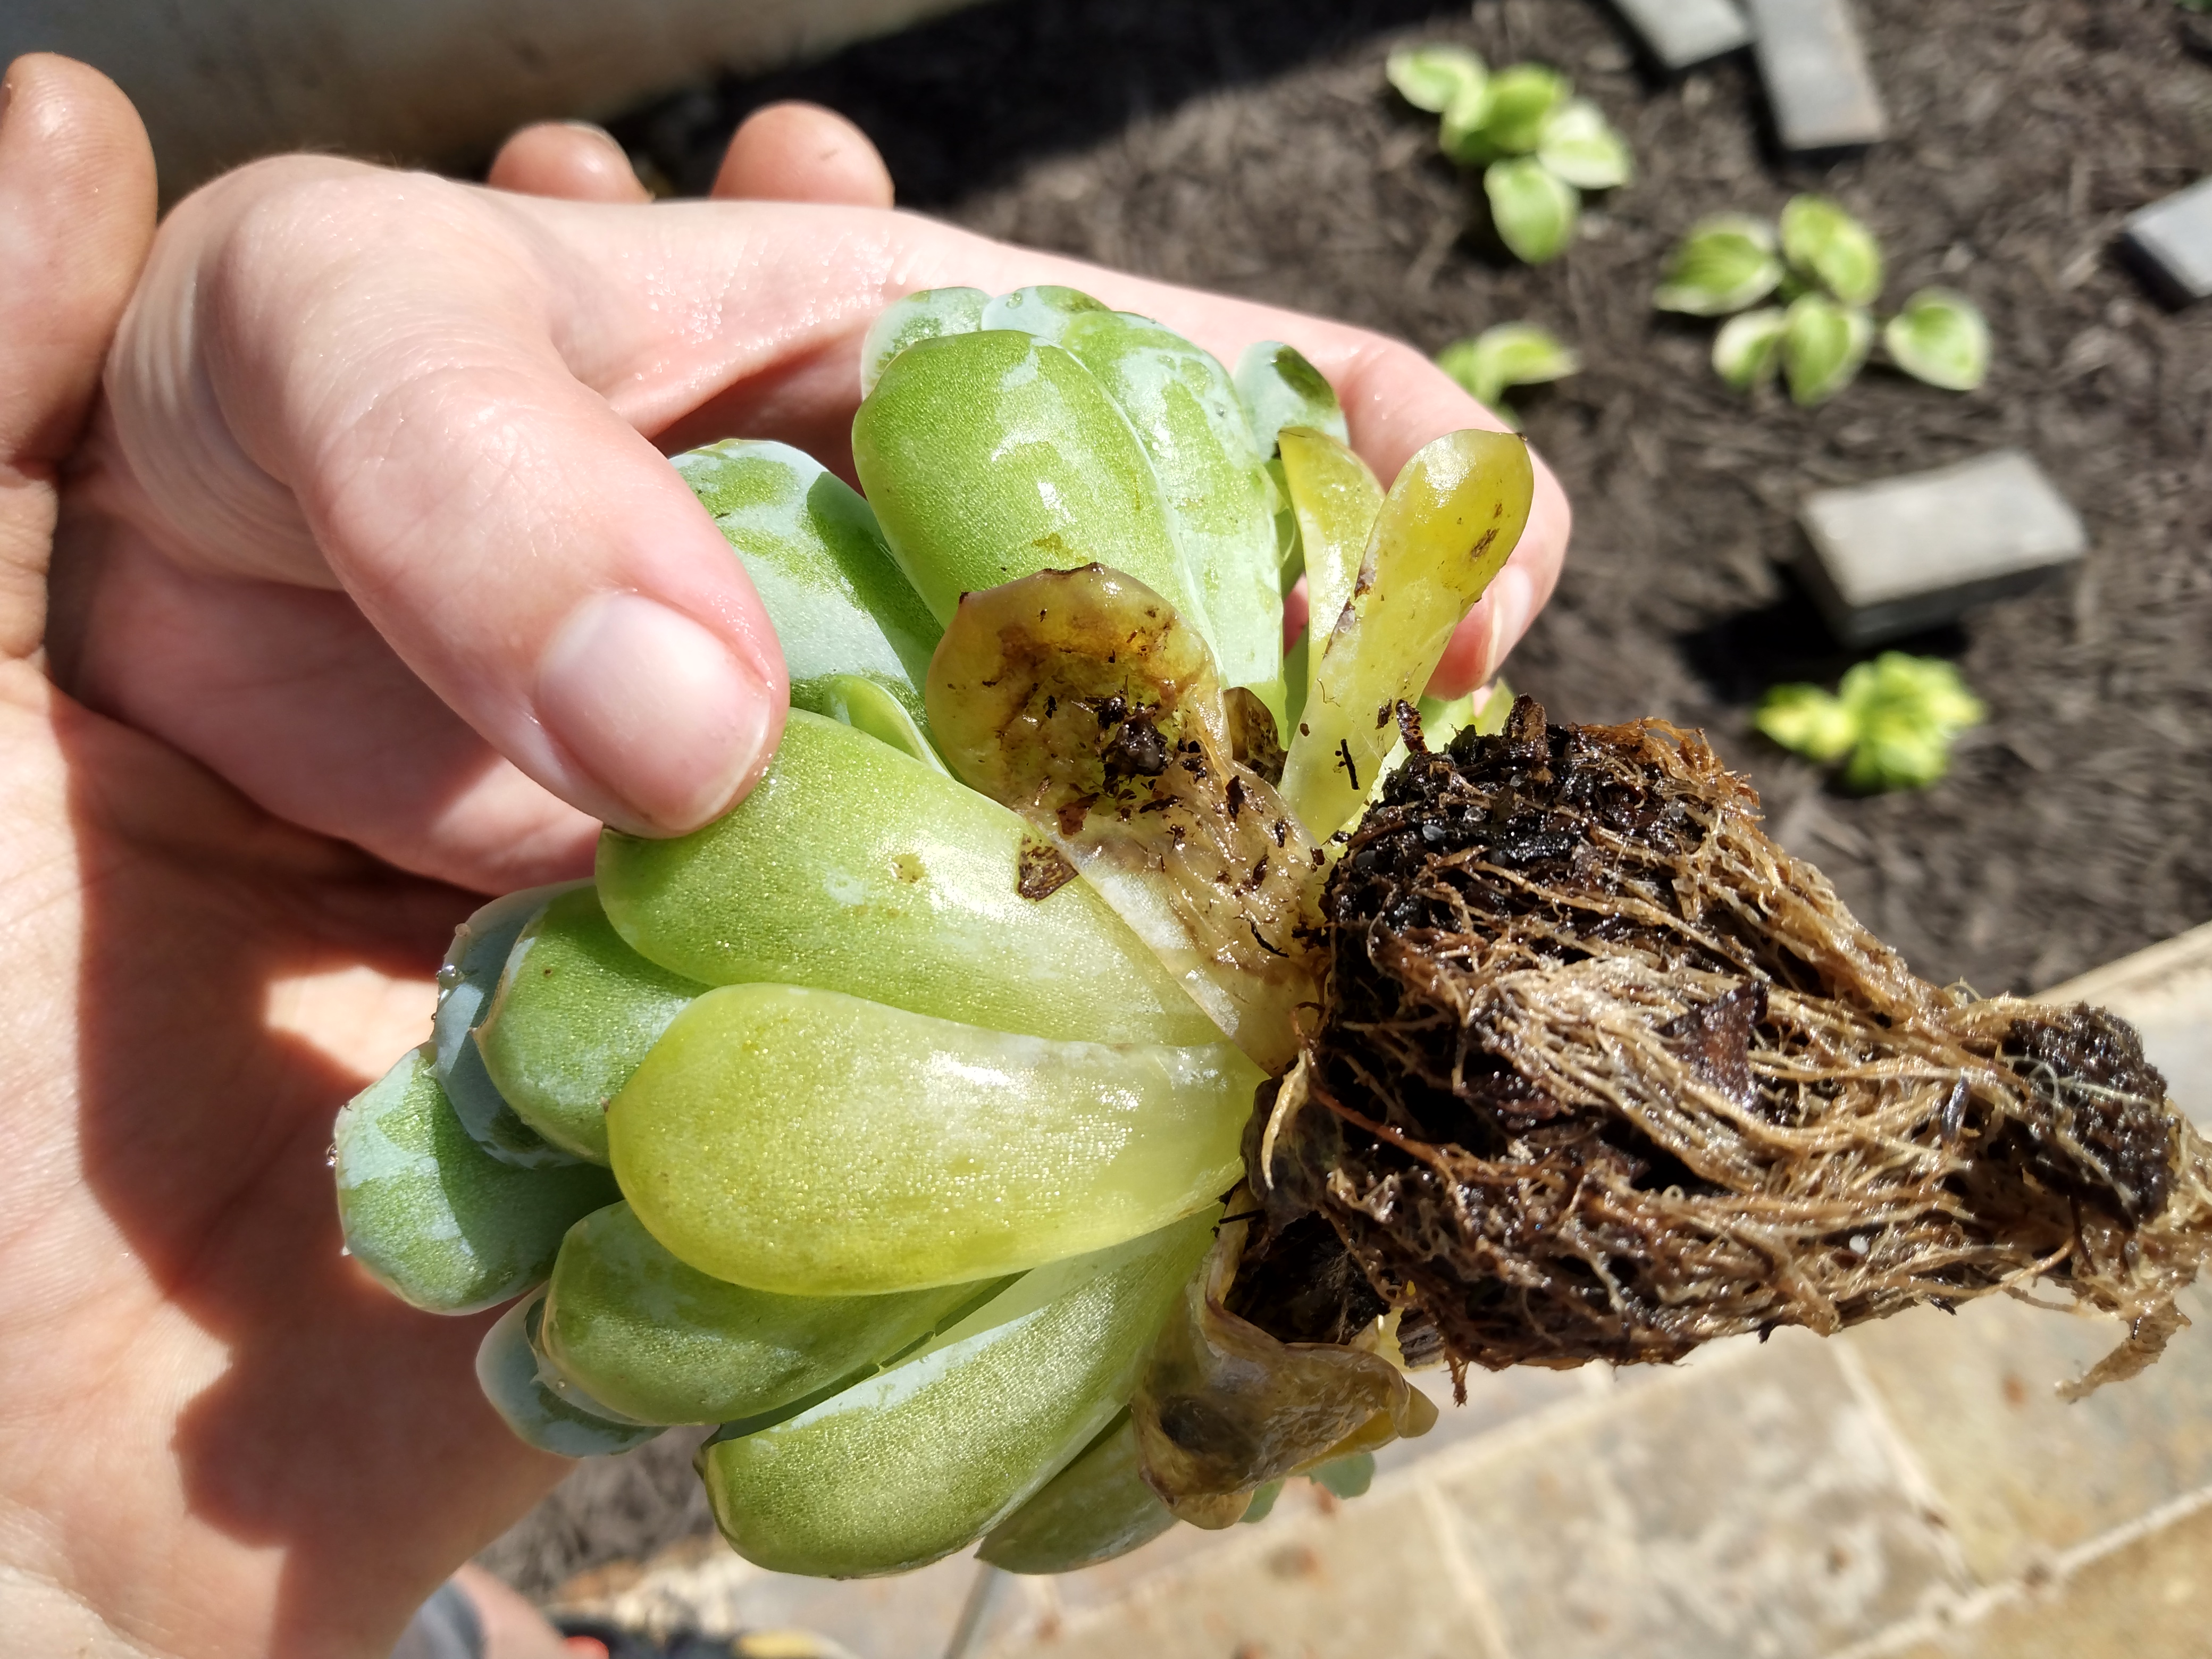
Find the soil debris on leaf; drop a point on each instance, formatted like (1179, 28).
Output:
(1603, 1074)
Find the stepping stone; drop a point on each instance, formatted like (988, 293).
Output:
(2172, 240)
(1818, 83)
(1894, 557)
(1681, 33)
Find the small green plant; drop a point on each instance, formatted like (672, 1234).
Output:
(1826, 271)
(1539, 146)
(1509, 355)
(1891, 723)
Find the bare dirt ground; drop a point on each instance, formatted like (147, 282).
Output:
(1252, 146)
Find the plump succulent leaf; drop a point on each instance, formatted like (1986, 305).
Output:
(1824, 346)
(553, 1420)
(818, 559)
(1096, 1509)
(912, 1465)
(1437, 78)
(1747, 350)
(1580, 145)
(1043, 312)
(922, 316)
(1726, 263)
(1447, 526)
(852, 868)
(467, 982)
(661, 1342)
(1281, 388)
(436, 1218)
(1213, 483)
(1827, 244)
(576, 1011)
(988, 457)
(1940, 338)
(1509, 355)
(813, 1144)
(1535, 210)
(1336, 499)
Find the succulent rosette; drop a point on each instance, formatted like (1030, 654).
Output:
(887, 1123)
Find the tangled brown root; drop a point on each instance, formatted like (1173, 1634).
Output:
(1603, 1074)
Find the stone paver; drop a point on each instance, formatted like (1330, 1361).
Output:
(2151, 1598)
(2172, 240)
(1682, 34)
(1818, 83)
(1903, 554)
(1754, 1507)
(1375, 1576)
(2022, 1474)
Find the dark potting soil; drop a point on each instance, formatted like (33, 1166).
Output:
(1251, 146)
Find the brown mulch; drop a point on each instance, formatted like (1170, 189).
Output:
(1254, 147)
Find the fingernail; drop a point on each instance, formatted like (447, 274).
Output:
(657, 709)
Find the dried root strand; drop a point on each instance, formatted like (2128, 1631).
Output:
(1603, 1074)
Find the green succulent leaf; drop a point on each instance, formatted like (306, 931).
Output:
(1940, 338)
(1748, 349)
(1580, 146)
(1519, 103)
(1725, 264)
(1825, 242)
(1534, 208)
(1808, 721)
(1437, 78)
(1510, 355)
(1824, 346)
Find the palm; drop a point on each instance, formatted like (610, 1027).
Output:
(172, 1235)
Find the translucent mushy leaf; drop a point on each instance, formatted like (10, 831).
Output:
(1080, 700)
(1449, 524)
(1603, 1074)
(1224, 1407)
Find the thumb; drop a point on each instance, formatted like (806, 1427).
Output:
(76, 214)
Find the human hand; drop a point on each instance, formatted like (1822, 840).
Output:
(346, 401)
(378, 496)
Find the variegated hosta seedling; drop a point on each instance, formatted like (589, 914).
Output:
(1539, 146)
(885, 1124)
(1491, 362)
(1798, 297)
(1890, 724)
